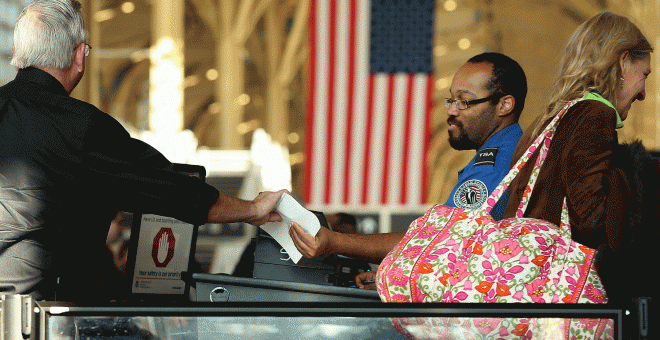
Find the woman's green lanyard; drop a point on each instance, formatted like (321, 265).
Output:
(596, 96)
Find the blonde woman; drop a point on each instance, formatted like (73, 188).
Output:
(606, 62)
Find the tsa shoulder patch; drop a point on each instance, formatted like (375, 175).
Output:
(486, 156)
(471, 194)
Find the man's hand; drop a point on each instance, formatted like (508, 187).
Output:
(310, 246)
(264, 204)
(366, 280)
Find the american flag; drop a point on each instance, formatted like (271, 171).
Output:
(369, 102)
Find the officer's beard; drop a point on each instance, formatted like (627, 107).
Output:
(462, 141)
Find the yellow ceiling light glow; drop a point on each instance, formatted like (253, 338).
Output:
(293, 138)
(248, 126)
(296, 158)
(104, 15)
(450, 5)
(243, 128)
(464, 43)
(442, 83)
(212, 74)
(440, 50)
(243, 99)
(127, 7)
(190, 81)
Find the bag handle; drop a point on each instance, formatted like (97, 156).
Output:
(543, 140)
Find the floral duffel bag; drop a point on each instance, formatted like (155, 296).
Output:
(460, 255)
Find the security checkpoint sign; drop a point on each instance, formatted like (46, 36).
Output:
(163, 252)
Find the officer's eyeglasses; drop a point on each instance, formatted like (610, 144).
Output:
(87, 49)
(463, 104)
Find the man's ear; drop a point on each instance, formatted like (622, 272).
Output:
(79, 58)
(505, 105)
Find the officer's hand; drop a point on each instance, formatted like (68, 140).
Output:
(366, 280)
(308, 245)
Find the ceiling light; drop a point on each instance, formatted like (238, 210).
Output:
(212, 74)
(104, 15)
(440, 50)
(293, 138)
(190, 81)
(464, 43)
(450, 5)
(243, 99)
(127, 7)
(442, 83)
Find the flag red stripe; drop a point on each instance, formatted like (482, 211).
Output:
(351, 100)
(309, 140)
(427, 138)
(406, 141)
(332, 48)
(367, 144)
(388, 138)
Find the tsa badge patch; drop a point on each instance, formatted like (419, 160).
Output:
(471, 194)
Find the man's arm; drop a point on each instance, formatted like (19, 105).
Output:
(371, 248)
(256, 212)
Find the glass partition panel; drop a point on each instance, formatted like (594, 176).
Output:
(332, 321)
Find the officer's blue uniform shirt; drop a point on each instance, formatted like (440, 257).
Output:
(485, 172)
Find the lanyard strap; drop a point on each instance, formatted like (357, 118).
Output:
(543, 141)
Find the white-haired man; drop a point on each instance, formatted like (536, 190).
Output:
(66, 167)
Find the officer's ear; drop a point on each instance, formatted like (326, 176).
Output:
(505, 105)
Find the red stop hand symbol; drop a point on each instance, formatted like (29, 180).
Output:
(163, 247)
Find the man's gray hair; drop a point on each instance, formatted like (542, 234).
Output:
(47, 32)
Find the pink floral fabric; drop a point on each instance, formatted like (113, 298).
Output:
(457, 328)
(457, 255)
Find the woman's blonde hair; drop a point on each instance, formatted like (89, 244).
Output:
(590, 62)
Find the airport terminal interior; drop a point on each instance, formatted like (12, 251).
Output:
(236, 67)
(230, 85)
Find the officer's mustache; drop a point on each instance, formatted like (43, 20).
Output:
(453, 121)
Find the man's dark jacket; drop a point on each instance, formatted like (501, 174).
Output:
(65, 169)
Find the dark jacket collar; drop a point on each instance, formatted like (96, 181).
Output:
(43, 78)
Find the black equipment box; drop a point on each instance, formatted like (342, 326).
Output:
(271, 262)
(226, 288)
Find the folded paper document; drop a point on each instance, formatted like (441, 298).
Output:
(291, 210)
